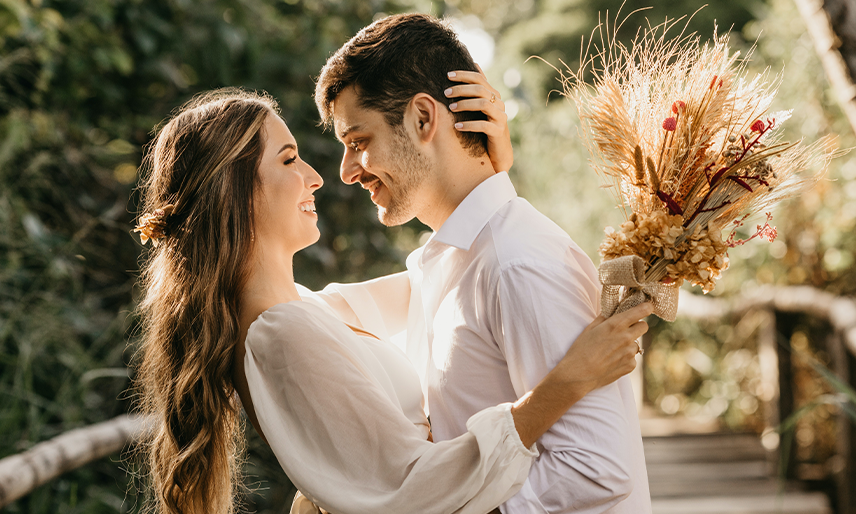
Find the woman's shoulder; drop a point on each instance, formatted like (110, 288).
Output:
(291, 324)
(297, 340)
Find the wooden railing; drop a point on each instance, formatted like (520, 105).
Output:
(838, 311)
(22, 473)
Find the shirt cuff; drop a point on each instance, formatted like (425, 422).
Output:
(481, 422)
(515, 435)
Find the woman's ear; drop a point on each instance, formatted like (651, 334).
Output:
(424, 114)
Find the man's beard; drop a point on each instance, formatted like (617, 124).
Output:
(412, 168)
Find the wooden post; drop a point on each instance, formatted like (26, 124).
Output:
(839, 364)
(769, 363)
(785, 325)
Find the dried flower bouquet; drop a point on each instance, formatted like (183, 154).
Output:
(681, 134)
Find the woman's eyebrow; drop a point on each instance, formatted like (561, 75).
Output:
(285, 147)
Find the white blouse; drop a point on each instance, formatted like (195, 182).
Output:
(343, 414)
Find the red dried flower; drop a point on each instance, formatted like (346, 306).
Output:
(767, 232)
(713, 82)
(670, 124)
(757, 126)
(678, 106)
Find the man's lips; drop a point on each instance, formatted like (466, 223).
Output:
(372, 186)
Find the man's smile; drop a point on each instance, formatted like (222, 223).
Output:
(371, 185)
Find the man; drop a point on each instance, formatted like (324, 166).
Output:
(495, 298)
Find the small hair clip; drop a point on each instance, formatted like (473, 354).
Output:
(153, 225)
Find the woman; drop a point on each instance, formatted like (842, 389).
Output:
(229, 202)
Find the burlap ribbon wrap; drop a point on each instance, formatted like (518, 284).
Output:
(623, 289)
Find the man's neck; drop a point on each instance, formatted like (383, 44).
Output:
(456, 176)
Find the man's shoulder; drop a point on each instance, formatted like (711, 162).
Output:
(519, 234)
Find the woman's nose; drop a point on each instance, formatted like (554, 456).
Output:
(312, 178)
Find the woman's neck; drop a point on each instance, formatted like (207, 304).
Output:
(270, 282)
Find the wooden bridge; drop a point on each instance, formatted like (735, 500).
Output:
(691, 470)
(722, 474)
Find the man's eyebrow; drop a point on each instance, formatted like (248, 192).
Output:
(286, 146)
(347, 130)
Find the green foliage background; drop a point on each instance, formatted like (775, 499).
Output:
(83, 83)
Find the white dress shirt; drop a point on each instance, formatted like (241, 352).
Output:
(495, 299)
(343, 415)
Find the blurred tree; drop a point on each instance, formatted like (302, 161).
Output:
(552, 29)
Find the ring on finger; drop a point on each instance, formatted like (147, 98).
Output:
(492, 97)
(639, 349)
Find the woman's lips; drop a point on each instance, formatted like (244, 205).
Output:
(307, 206)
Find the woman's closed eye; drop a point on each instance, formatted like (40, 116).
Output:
(290, 161)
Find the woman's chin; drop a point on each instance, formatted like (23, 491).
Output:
(312, 240)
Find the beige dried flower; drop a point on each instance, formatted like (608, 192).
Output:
(681, 134)
(154, 225)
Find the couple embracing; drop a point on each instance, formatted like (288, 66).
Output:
(530, 408)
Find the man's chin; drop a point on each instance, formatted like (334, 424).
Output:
(392, 218)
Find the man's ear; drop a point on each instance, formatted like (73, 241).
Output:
(424, 114)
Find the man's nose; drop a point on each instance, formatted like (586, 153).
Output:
(350, 169)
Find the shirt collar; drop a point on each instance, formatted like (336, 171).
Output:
(472, 214)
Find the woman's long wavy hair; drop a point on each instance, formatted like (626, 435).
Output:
(204, 162)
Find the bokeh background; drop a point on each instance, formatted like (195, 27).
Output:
(83, 83)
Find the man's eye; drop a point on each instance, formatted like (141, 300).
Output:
(355, 145)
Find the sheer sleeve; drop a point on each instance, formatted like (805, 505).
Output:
(379, 305)
(341, 440)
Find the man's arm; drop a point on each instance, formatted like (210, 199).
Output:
(379, 305)
(585, 465)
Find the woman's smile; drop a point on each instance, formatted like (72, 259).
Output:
(308, 207)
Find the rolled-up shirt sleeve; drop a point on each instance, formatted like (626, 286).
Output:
(584, 466)
(348, 447)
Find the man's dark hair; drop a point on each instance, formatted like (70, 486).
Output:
(394, 59)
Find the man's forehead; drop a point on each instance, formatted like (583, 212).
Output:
(343, 126)
(342, 110)
(350, 116)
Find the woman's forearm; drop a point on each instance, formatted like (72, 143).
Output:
(602, 353)
(536, 411)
